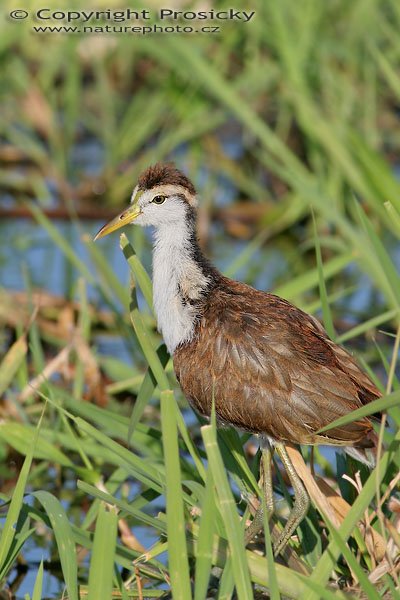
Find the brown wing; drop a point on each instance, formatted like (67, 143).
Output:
(271, 369)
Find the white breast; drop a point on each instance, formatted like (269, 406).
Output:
(175, 274)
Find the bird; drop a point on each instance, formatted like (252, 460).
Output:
(266, 366)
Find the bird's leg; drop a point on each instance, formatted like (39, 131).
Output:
(301, 500)
(257, 523)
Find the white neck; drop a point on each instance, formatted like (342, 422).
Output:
(177, 280)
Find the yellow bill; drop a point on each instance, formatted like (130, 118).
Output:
(127, 216)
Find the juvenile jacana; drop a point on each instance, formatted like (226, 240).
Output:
(271, 368)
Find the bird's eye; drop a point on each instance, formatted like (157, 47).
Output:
(159, 199)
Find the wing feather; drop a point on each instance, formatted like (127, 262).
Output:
(272, 369)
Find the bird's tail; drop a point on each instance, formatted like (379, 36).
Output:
(366, 452)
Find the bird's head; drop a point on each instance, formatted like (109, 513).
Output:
(162, 196)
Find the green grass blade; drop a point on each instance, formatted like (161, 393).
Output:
(387, 266)
(389, 72)
(101, 570)
(326, 311)
(272, 575)
(205, 540)
(366, 585)
(60, 241)
(379, 405)
(146, 390)
(8, 532)
(368, 325)
(22, 437)
(11, 362)
(394, 215)
(112, 484)
(227, 582)
(231, 448)
(108, 280)
(377, 173)
(233, 526)
(146, 345)
(124, 506)
(177, 551)
(21, 536)
(64, 539)
(190, 445)
(37, 589)
(138, 270)
(142, 470)
(306, 281)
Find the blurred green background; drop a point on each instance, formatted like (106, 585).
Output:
(289, 117)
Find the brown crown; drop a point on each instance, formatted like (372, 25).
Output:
(164, 174)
